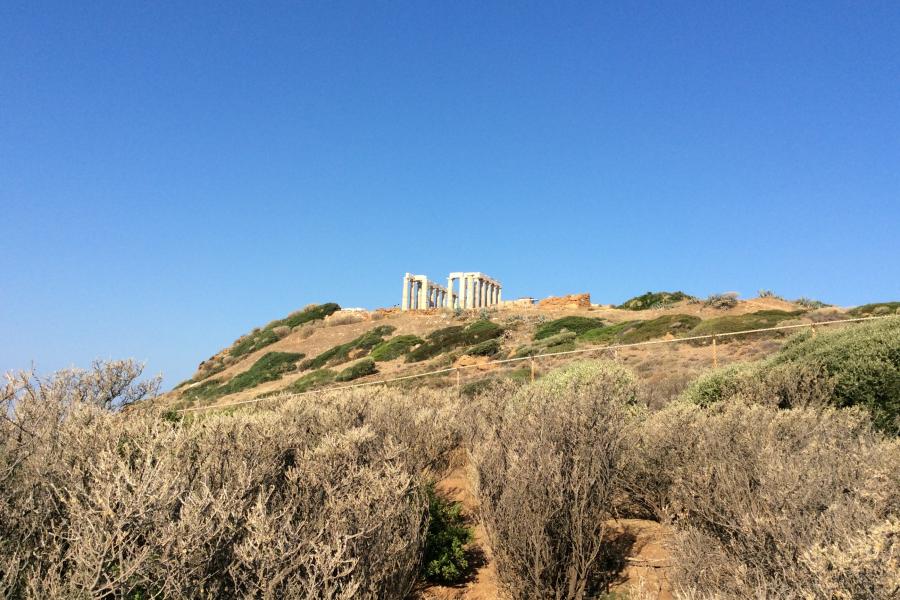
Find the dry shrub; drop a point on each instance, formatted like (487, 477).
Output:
(344, 318)
(768, 502)
(319, 498)
(282, 331)
(548, 473)
(307, 329)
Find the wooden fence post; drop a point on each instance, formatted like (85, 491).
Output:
(458, 391)
(532, 369)
(715, 355)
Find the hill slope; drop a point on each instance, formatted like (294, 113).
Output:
(323, 345)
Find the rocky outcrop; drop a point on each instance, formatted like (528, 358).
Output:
(570, 301)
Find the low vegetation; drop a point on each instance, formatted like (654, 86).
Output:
(395, 347)
(311, 380)
(360, 368)
(341, 353)
(810, 303)
(269, 367)
(777, 479)
(322, 500)
(445, 560)
(631, 332)
(450, 338)
(876, 310)
(260, 338)
(756, 320)
(485, 348)
(652, 300)
(721, 301)
(577, 325)
(854, 366)
(559, 342)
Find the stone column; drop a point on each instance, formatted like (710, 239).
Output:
(499, 294)
(490, 294)
(480, 293)
(449, 297)
(404, 304)
(470, 291)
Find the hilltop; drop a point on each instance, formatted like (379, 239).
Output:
(323, 345)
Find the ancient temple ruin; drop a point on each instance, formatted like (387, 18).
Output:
(476, 290)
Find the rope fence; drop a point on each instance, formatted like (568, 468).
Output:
(532, 359)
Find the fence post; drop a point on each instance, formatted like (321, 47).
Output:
(532, 369)
(458, 392)
(715, 355)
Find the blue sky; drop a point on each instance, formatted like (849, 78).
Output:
(173, 174)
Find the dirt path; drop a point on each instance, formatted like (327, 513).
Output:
(644, 577)
(483, 583)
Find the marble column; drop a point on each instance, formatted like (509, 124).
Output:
(404, 304)
(470, 292)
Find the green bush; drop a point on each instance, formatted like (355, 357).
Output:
(718, 384)
(311, 380)
(341, 352)
(486, 348)
(449, 338)
(874, 310)
(445, 557)
(560, 342)
(269, 367)
(654, 300)
(862, 363)
(260, 338)
(358, 369)
(810, 303)
(757, 320)
(578, 325)
(632, 332)
(395, 347)
(863, 359)
(208, 390)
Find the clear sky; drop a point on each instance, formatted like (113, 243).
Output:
(174, 173)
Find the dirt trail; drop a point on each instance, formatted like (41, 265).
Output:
(483, 583)
(644, 577)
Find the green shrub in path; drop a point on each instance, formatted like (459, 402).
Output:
(445, 557)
